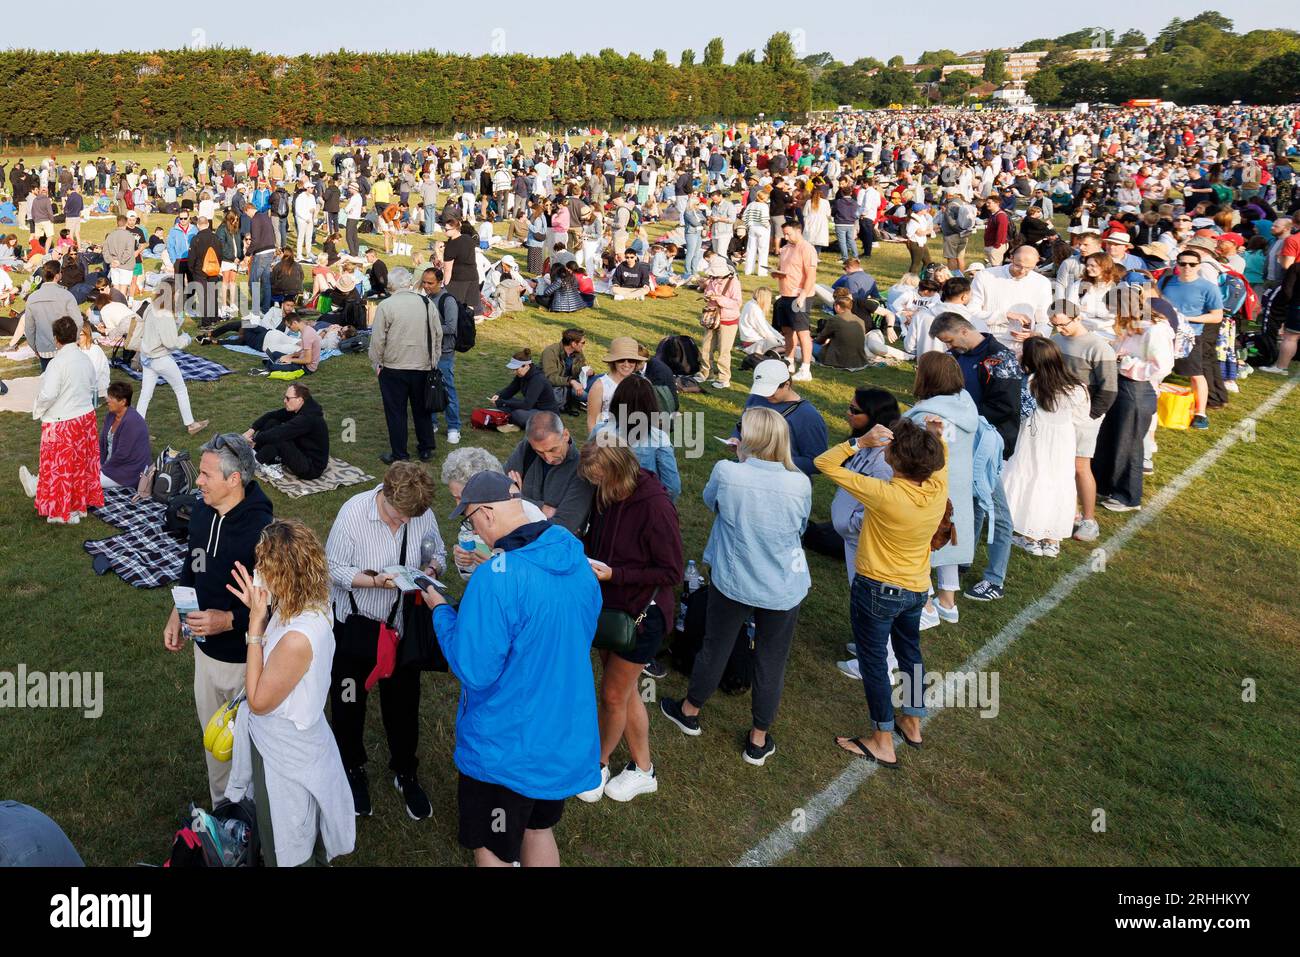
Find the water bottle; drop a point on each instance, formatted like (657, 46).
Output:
(429, 548)
(690, 582)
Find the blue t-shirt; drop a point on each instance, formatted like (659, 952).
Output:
(1194, 298)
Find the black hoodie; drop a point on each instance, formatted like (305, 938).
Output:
(305, 428)
(216, 543)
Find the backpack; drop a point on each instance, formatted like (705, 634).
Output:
(225, 838)
(172, 474)
(1239, 299)
(211, 263)
(739, 672)
(358, 343)
(1014, 239)
(466, 330)
(179, 510)
(279, 203)
(488, 418)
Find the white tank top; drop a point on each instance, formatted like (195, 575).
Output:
(305, 704)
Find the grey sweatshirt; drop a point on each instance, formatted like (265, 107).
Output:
(1091, 358)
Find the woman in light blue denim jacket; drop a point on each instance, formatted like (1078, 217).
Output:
(634, 416)
(759, 570)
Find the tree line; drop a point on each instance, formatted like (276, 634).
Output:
(221, 91)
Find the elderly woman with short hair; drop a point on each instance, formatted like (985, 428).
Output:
(458, 468)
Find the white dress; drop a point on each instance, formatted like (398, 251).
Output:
(1039, 478)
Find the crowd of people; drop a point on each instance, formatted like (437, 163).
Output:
(1037, 368)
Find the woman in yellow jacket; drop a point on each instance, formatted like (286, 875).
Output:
(893, 571)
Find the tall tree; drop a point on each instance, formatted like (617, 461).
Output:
(747, 58)
(688, 58)
(1131, 38)
(778, 52)
(995, 66)
(713, 52)
(659, 56)
(896, 61)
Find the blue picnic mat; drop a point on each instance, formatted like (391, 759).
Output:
(193, 368)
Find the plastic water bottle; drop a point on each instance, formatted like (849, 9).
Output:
(429, 548)
(691, 581)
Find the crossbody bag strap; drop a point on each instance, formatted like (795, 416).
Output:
(428, 333)
(401, 560)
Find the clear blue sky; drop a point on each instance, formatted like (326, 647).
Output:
(847, 30)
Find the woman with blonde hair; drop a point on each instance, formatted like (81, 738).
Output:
(634, 544)
(283, 746)
(756, 557)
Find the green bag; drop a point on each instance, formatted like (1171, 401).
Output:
(616, 630)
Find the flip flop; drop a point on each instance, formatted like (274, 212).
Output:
(906, 740)
(865, 755)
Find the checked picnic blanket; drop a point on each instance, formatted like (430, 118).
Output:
(193, 369)
(143, 555)
(336, 475)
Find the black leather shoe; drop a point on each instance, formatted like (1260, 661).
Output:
(426, 456)
(388, 458)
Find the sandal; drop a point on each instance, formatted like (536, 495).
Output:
(917, 743)
(865, 755)
(194, 428)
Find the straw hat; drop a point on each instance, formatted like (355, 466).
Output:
(623, 347)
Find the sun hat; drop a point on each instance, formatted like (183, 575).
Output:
(1119, 238)
(718, 268)
(623, 347)
(520, 359)
(769, 375)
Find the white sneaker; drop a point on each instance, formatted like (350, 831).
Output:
(803, 375)
(508, 427)
(28, 481)
(1087, 531)
(851, 647)
(1051, 549)
(630, 782)
(721, 385)
(273, 472)
(595, 794)
(850, 668)
(950, 615)
(1273, 370)
(453, 436)
(929, 619)
(1231, 386)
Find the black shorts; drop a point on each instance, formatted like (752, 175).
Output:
(648, 638)
(1291, 322)
(495, 817)
(1195, 362)
(784, 315)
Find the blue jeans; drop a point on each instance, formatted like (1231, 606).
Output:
(259, 279)
(844, 236)
(693, 258)
(281, 225)
(430, 216)
(1000, 548)
(880, 614)
(447, 366)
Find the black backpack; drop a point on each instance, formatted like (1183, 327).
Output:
(279, 204)
(680, 354)
(174, 474)
(466, 328)
(179, 510)
(739, 673)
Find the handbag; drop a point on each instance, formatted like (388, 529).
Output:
(946, 533)
(435, 390)
(616, 630)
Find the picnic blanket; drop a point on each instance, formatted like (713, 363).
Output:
(21, 354)
(193, 368)
(337, 474)
(143, 555)
(250, 351)
(21, 395)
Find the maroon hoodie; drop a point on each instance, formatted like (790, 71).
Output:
(640, 539)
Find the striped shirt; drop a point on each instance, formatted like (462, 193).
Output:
(361, 541)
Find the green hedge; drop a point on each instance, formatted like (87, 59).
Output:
(187, 92)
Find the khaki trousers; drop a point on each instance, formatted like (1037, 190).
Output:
(723, 339)
(215, 683)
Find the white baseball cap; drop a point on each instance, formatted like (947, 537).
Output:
(769, 375)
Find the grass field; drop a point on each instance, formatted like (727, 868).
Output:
(1126, 698)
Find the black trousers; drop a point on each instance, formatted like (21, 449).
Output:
(399, 698)
(354, 244)
(290, 456)
(400, 388)
(867, 234)
(1215, 393)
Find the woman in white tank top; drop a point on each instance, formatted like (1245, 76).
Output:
(283, 747)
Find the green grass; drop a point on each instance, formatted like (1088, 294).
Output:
(1127, 697)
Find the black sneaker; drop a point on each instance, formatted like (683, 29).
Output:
(672, 709)
(417, 802)
(388, 458)
(756, 755)
(984, 590)
(655, 669)
(360, 791)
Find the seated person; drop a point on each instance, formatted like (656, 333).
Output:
(291, 355)
(157, 245)
(631, 278)
(114, 317)
(561, 293)
(754, 333)
(841, 339)
(124, 451)
(661, 264)
(527, 393)
(377, 276)
(295, 437)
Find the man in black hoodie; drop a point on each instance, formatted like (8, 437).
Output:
(295, 437)
(996, 382)
(224, 529)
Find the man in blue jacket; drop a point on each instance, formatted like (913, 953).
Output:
(178, 244)
(520, 643)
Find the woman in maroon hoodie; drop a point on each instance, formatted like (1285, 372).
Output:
(635, 546)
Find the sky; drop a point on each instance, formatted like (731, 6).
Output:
(846, 30)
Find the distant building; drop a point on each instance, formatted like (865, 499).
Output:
(1023, 65)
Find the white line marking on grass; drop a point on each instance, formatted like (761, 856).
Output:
(773, 848)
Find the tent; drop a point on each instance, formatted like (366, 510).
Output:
(265, 144)
(225, 145)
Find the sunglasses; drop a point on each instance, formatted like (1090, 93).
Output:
(1187, 264)
(854, 410)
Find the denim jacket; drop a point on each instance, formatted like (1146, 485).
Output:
(754, 550)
